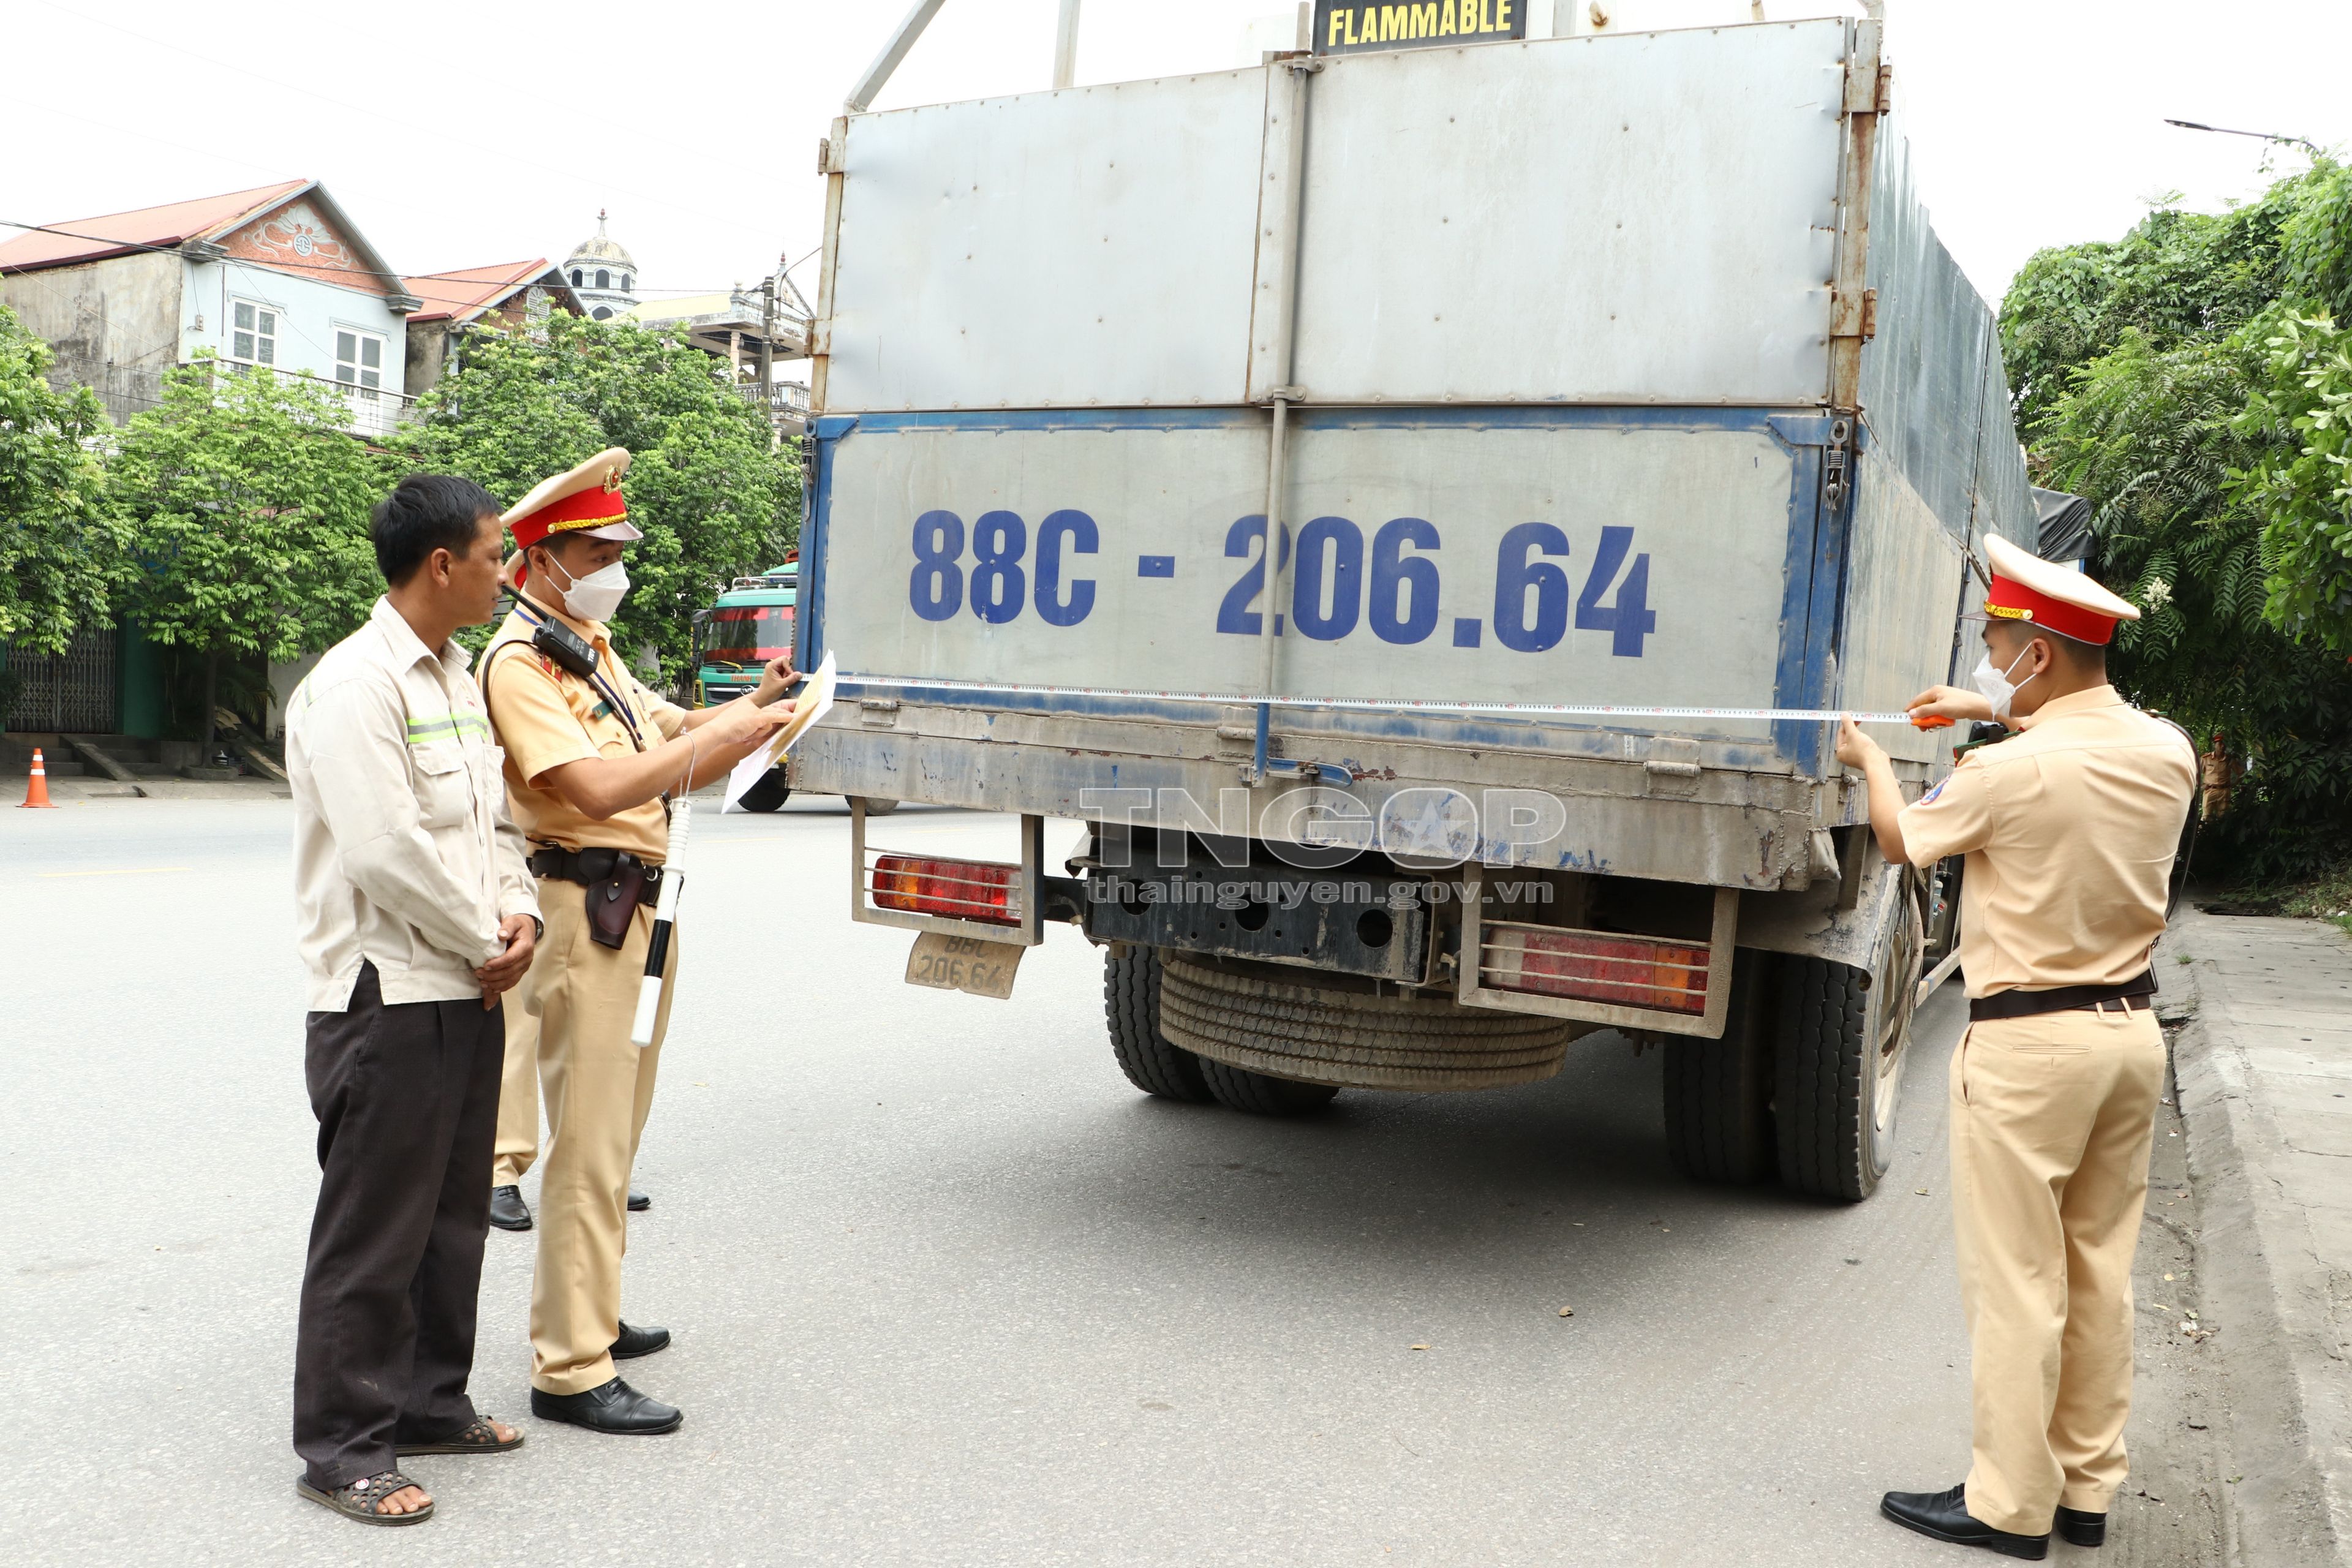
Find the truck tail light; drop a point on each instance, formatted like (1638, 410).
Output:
(950, 889)
(1650, 973)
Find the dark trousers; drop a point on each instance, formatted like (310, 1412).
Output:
(407, 1101)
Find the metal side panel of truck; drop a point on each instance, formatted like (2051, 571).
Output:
(1615, 371)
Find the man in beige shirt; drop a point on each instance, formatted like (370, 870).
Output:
(415, 913)
(2068, 829)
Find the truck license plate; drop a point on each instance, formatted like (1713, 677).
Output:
(964, 963)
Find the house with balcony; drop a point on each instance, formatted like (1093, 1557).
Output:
(276, 277)
(735, 326)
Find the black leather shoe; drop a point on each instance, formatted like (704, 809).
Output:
(2082, 1529)
(635, 1343)
(507, 1211)
(638, 1202)
(612, 1406)
(1944, 1515)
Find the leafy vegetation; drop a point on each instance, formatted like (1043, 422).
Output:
(2189, 381)
(251, 507)
(715, 496)
(62, 547)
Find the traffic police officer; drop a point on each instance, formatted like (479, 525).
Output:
(2069, 828)
(592, 758)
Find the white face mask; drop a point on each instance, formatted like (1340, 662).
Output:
(1994, 683)
(595, 596)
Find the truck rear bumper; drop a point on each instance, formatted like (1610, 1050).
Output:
(1647, 811)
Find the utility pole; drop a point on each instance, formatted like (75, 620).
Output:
(768, 347)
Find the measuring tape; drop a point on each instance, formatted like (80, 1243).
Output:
(1412, 705)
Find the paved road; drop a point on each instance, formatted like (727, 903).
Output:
(945, 1290)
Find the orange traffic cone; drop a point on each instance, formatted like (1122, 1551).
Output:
(37, 792)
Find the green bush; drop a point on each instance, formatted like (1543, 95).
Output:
(2188, 382)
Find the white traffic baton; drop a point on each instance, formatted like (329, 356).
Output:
(649, 991)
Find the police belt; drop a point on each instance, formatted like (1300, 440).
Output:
(2136, 994)
(590, 866)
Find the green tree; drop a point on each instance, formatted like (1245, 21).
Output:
(251, 508)
(2302, 485)
(2163, 440)
(716, 497)
(2170, 378)
(63, 555)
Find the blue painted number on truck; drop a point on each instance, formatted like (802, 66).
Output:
(999, 583)
(1632, 619)
(1332, 591)
(1337, 584)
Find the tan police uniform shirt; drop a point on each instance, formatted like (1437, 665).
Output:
(2070, 830)
(546, 716)
(404, 854)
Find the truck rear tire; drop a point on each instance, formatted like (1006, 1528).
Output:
(878, 806)
(1262, 1094)
(1843, 1036)
(1132, 1012)
(770, 793)
(1719, 1092)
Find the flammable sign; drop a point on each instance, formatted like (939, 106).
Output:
(1353, 28)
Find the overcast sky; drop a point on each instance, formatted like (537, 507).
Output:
(461, 134)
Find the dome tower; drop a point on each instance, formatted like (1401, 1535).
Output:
(602, 274)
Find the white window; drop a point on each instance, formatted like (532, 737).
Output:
(359, 362)
(253, 333)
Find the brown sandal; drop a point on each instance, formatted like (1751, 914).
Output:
(476, 1437)
(361, 1499)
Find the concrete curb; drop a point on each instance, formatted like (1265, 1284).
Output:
(2268, 1287)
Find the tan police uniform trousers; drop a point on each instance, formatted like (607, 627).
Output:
(580, 1000)
(517, 1150)
(2052, 1121)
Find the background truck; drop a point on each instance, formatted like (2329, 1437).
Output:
(1608, 371)
(746, 627)
(748, 624)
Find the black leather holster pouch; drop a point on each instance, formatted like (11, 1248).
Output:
(616, 882)
(613, 902)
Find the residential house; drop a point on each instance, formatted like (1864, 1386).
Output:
(507, 298)
(278, 277)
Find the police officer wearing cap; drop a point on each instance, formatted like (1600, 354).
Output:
(592, 758)
(2069, 827)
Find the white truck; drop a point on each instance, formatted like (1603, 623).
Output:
(1574, 373)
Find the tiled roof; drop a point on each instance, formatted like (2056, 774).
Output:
(471, 289)
(116, 234)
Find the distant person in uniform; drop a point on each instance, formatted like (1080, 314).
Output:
(592, 758)
(416, 915)
(2069, 827)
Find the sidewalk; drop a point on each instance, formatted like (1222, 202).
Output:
(72, 792)
(2264, 1076)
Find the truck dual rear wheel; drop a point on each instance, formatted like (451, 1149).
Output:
(1843, 1036)
(1262, 1094)
(1131, 1011)
(1719, 1092)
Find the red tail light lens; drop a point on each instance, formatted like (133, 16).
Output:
(1595, 966)
(951, 889)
